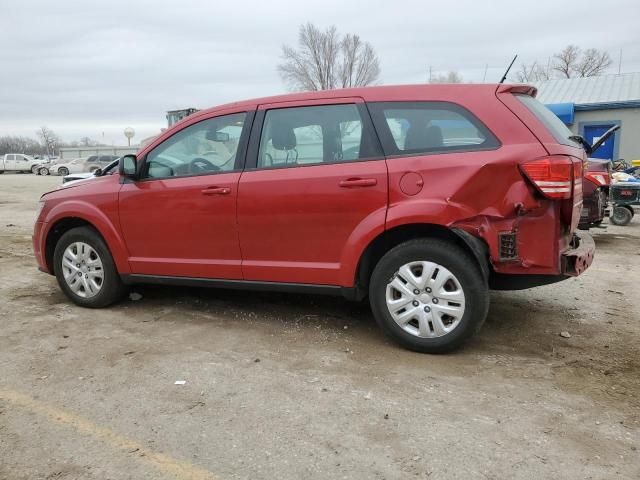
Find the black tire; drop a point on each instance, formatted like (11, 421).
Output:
(461, 264)
(63, 171)
(34, 170)
(112, 288)
(621, 216)
(43, 171)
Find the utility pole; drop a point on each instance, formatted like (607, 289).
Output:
(484, 77)
(430, 74)
(620, 62)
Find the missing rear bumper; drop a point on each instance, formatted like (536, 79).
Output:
(576, 260)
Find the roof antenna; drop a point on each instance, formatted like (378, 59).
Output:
(504, 77)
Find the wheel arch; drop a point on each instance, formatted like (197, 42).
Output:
(62, 224)
(388, 239)
(56, 231)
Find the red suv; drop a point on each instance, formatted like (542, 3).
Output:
(421, 197)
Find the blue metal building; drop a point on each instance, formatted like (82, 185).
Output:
(591, 105)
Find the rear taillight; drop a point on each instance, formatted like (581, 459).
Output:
(599, 179)
(553, 176)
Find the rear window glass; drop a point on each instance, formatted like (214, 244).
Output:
(429, 127)
(549, 119)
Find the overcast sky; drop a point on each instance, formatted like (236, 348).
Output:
(84, 68)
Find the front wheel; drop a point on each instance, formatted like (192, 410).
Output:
(429, 295)
(34, 169)
(43, 171)
(621, 215)
(85, 269)
(64, 171)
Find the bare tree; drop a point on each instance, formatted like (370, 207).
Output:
(565, 60)
(48, 139)
(324, 60)
(88, 142)
(360, 66)
(449, 77)
(593, 62)
(532, 73)
(573, 62)
(11, 144)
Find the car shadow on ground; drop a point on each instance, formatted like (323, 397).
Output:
(506, 328)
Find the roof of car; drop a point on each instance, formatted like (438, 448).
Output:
(371, 94)
(390, 93)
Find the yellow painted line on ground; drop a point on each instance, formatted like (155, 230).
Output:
(164, 463)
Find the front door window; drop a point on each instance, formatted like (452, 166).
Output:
(209, 146)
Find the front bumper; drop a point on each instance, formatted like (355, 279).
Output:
(38, 246)
(576, 260)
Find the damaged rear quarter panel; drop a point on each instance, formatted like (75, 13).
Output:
(483, 193)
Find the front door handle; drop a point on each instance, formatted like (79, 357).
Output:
(358, 182)
(216, 191)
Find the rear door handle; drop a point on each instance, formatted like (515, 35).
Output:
(358, 182)
(216, 191)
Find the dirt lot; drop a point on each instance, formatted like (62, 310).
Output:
(291, 386)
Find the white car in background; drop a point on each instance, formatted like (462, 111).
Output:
(78, 165)
(19, 162)
(83, 177)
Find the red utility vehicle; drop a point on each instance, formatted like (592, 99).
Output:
(421, 197)
(595, 187)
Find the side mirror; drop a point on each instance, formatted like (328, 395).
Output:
(128, 166)
(97, 172)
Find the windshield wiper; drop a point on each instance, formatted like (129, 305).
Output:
(579, 139)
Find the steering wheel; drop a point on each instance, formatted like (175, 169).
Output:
(200, 164)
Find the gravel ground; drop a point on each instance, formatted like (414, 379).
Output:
(291, 386)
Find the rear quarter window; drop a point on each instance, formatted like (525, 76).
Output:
(549, 120)
(411, 128)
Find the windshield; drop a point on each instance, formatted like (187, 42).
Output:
(549, 119)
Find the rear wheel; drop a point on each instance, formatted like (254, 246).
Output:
(43, 171)
(34, 169)
(429, 295)
(621, 215)
(85, 269)
(64, 171)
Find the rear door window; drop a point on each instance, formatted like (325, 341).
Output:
(410, 128)
(311, 135)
